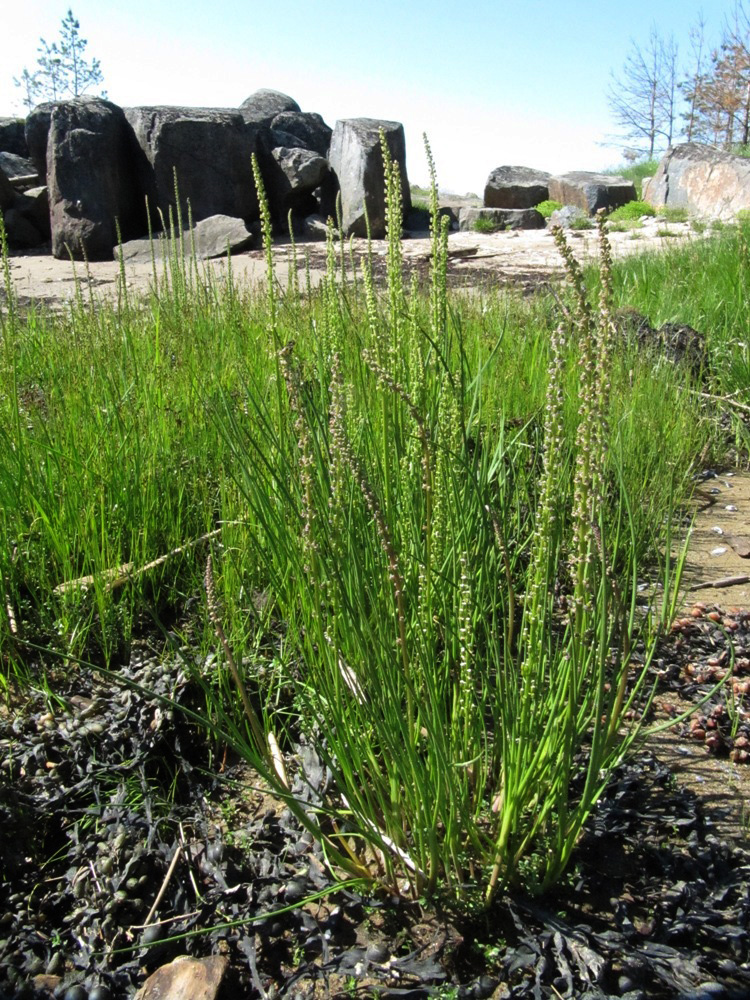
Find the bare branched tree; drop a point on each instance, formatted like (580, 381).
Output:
(642, 98)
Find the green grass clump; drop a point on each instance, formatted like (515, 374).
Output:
(546, 208)
(487, 226)
(631, 212)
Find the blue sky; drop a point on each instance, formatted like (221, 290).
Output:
(492, 83)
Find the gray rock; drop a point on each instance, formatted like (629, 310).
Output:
(7, 192)
(591, 191)
(315, 227)
(327, 195)
(263, 106)
(306, 126)
(290, 172)
(92, 186)
(272, 138)
(502, 218)
(21, 232)
(570, 217)
(37, 133)
(516, 187)
(211, 151)
(13, 136)
(707, 182)
(357, 160)
(13, 165)
(300, 172)
(212, 237)
(33, 205)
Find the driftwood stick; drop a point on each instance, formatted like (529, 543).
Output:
(116, 577)
(727, 581)
(723, 399)
(165, 883)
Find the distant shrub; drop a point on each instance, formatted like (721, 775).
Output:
(631, 212)
(636, 172)
(581, 222)
(546, 208)
(624, 227)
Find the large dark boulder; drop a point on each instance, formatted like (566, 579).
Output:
(516, 187)
(500, 218)
(36, 131)
(13, 136)
(706, 181)
(591, 191)
(307, 127)
(91, 177)
(357, 160)
(210, 149)
(263, 106)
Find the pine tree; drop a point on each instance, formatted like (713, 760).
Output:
(62, 69)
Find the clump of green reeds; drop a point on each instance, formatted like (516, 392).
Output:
(464, 661)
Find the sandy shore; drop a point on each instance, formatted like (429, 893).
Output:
(525, 257)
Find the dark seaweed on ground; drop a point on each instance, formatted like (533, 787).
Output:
(95, 802)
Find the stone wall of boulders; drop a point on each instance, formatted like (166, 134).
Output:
(85, 173)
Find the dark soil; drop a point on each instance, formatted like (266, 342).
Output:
(100, 789)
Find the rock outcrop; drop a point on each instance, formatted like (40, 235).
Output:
(591, 191)
(500, 218)
(707, 182)
(516, 187)
(210, 151)
(92, 187)
(357, 160)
